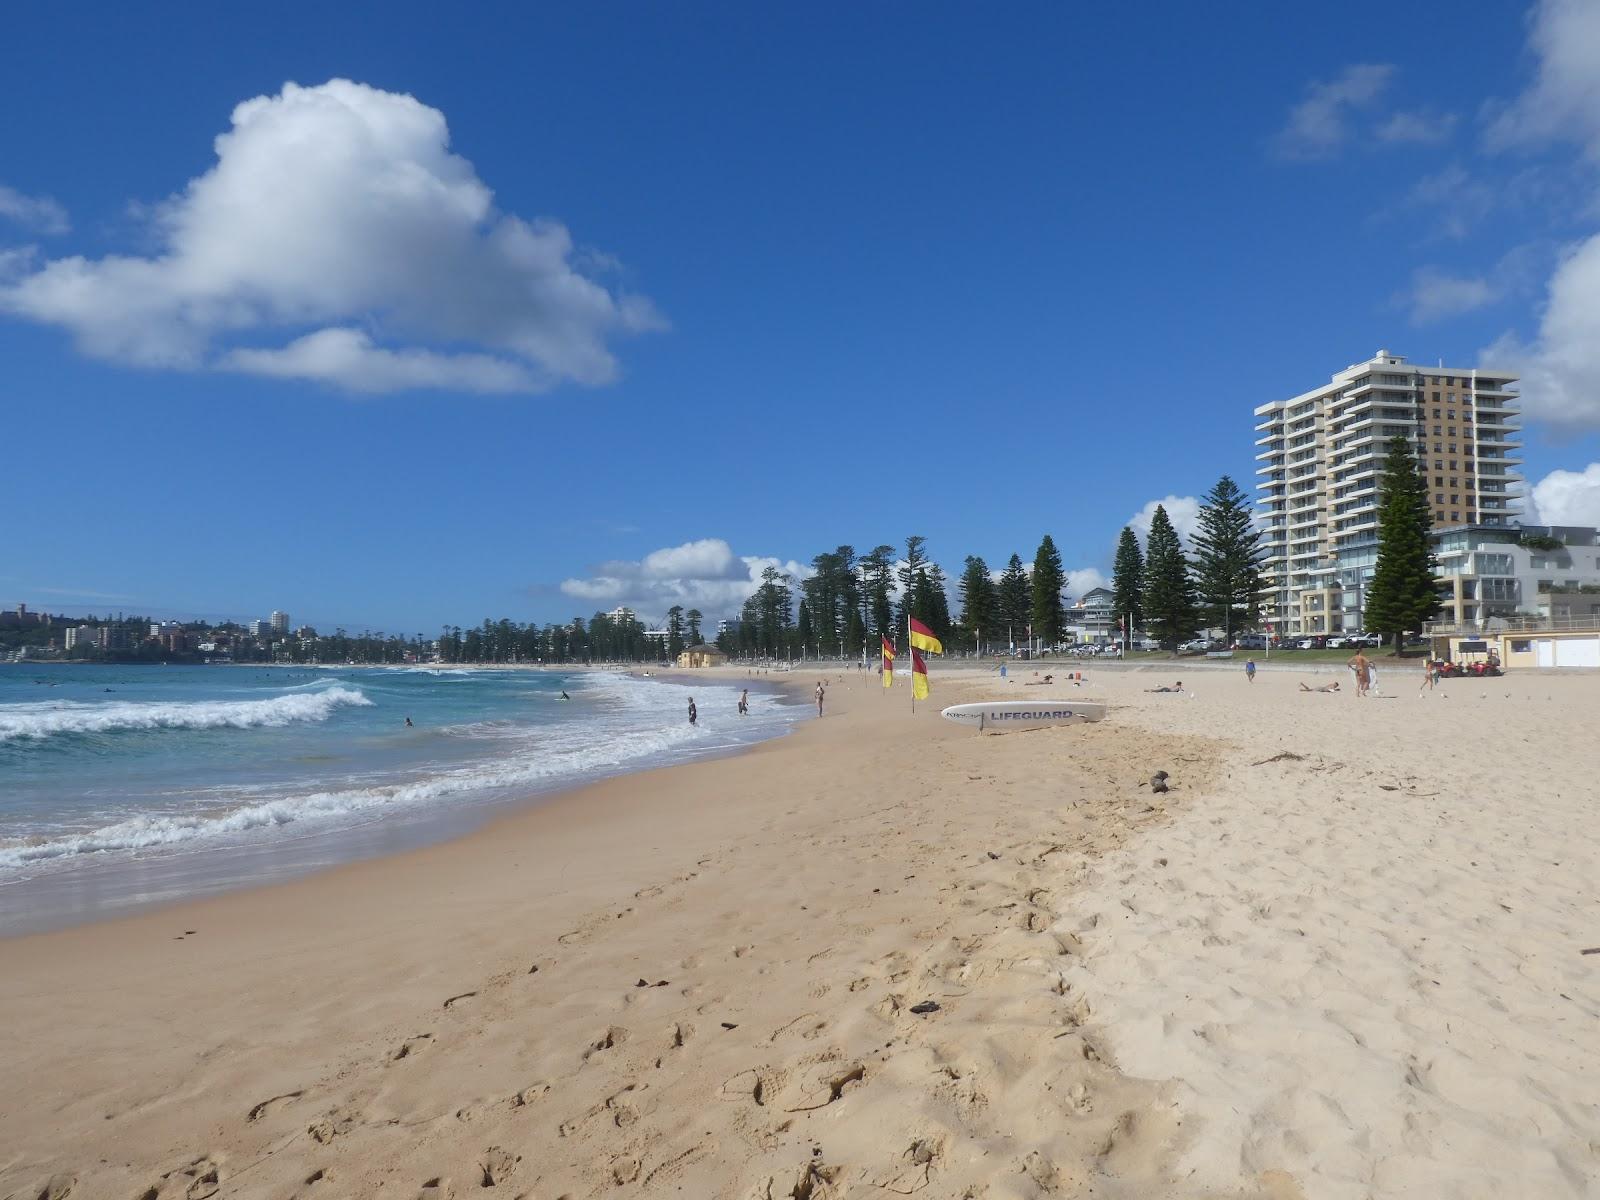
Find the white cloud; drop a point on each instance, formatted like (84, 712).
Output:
(704, 574)
(347, 358)
(1318, 126)
(1182, 511)
(1569, 497)
(1560, 365)
(1416, 127)
(1085, 579)
(38, 214)
(1564, 100)
(337, 239)
(1435, 295)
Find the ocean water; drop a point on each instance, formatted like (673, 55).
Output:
(122, 786)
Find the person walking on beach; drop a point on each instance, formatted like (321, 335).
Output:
(1250, 669)
(821, 691)
(1362, 666)
(744, 703)
(694, 713)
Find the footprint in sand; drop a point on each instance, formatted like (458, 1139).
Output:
(412, 1047)
(497, 1166)
(267, 1106)
(609, 1040)
(335, 1124)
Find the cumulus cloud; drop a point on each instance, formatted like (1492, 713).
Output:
(1416, 127)
(1564, 99)
(1182, 511)
(704, 574)
(338, 240)
(1560, 364)
(1569, 497)
(37, 214)
(1318, 126)
(1085, 579)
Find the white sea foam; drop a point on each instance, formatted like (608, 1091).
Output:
(40, 721)
(631, 728)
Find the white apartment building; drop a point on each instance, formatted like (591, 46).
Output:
(279, 622)
(1320, 457)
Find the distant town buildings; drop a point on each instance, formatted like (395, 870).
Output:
(279, 621)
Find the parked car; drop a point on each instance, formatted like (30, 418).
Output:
(1194, 646)
(1250, 641)
(1339, 643)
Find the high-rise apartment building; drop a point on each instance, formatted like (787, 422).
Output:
(279, 622)
(1321, 456)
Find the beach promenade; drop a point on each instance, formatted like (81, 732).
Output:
(1343, 957)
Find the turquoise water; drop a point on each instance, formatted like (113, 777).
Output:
(123, 784)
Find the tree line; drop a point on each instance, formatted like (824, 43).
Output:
(1218, 583)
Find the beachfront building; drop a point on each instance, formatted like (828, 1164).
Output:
(1320, 456)
(702, 656)
(279, 622)
(1488, 574)
(1091, 619)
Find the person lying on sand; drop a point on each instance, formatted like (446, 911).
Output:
(1176, 687)
(1327, 687)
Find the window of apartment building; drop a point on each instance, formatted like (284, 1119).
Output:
(1437, 431)
(1452, 461)
(1455, 516)
(1438, 481)
(1438, 498)
(1438, 448)
(1455, 499)
(1436, 400)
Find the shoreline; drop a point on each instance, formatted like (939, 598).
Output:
(91, 892)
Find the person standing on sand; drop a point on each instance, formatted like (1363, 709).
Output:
(821, 691)
(694, 713)
(1250, 669)
(1362, 666)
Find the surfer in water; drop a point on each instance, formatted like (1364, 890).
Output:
(409, 725)
(694, 713)
(564, 696)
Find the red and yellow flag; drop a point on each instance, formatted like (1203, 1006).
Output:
(922, 638)
(888, 663)
(919, 675)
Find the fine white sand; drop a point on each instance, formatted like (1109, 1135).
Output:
(1363, 966)
(1352, 973)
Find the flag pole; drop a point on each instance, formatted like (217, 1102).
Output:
(910, 653)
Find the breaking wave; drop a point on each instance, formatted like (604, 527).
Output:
(41, 721)
(544, 763)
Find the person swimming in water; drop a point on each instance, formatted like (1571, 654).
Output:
(409, 725)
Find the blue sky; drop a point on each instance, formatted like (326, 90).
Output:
(737, 284)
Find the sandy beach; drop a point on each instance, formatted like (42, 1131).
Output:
(1341, 957)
